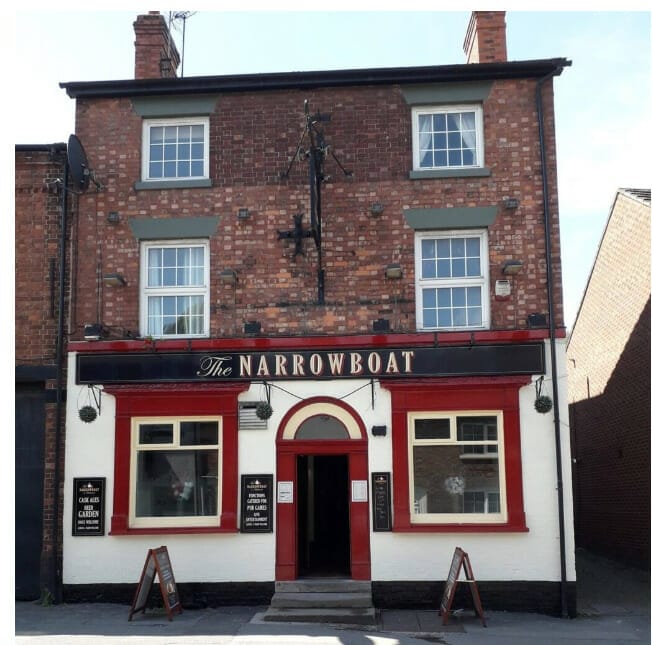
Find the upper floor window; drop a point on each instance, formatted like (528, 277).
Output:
(174, 293)
(452, 280)
(447, 137)
(175, 149)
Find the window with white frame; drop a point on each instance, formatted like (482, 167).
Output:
(175, 149)
(452, 280)
(175, 472)
(445, 485)
(174, 293)
(447, 137)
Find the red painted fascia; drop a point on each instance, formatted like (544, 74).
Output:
(423, 339)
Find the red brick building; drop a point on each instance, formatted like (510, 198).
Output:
(312, 314)
(609, 389)
(42, 248)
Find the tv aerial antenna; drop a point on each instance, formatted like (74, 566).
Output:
(174, 18)
(81, 172)
(316, 152)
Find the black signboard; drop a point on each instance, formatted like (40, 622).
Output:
(256, 503)
(157, 562)
(220, 366)
(381, 497)
(88, 505)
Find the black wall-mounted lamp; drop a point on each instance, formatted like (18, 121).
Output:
(252, 327)
(243, 213)
(379, 431)
(511, 203)
(114, 279)
(377, 209)
(113, 217)
(382, 324)
(95, 331)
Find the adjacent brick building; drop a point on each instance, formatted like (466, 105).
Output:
(319, 284)
(42, 246)
(609, 389)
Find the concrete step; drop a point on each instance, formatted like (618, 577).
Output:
(323, 585)
(353, 616)
(316, 599)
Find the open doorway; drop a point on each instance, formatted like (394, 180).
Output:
(323, 534)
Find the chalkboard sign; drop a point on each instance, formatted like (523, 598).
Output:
(256, 503)
(460, 559)
(88, 505)
(157, 562)
(382, 501)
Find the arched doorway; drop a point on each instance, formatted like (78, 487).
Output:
(322, 509)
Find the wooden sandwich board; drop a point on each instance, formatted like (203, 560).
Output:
(460, 559)
(157, 563)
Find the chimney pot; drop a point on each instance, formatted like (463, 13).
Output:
(486, 40)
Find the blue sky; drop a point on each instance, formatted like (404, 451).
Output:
(602, 101)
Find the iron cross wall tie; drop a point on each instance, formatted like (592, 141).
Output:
(316, 154)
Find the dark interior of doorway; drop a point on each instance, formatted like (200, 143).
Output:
(323, 521)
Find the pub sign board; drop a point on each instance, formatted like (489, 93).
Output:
(256, 503)
(88, 505)
(223, 366)
(381, 495)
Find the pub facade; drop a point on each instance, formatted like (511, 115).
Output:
(315, 329)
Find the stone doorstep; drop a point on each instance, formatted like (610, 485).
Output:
(340, 616)
(323, 585)
(321, 599)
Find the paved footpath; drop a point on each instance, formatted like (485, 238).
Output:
(613, 608)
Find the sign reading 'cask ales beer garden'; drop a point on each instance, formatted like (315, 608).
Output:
(467, 360)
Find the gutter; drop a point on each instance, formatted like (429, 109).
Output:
(314, 79)
(553, 346)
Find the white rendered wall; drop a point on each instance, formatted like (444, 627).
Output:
(534, 555)
(250, 557)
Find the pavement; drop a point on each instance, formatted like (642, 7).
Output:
(613, 609)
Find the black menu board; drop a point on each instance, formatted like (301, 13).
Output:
(88, 505)
(256, 509)
(381, 493)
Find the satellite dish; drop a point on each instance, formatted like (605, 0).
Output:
(78, 163)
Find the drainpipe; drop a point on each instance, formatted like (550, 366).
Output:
(553, 345)
(57, 590)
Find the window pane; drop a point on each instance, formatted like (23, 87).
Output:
(442, 479)
(439, 122)
(454, 140)
(443, 268)
(197, 169)
(441, 159)
(468, 120)
(459, 297)
(199, 433)
(183, 169)
(425, 159)
(440, 141)
(428, 269)
(459, 268)
(184, 133)
(432, 429)
(473, 267)
(170, 169)
(176, 483)
(444, 318)
(155, 433)
(429, 298)
(155, 170)
(454, 157)
(453, 122)
(425, 123)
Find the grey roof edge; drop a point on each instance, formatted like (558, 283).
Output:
(317, 79)
(640, 194)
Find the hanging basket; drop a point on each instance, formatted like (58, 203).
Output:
(88, 414)
(543, 404)
(264, 410)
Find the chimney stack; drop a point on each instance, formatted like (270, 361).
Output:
(486, 40)
(156, 53)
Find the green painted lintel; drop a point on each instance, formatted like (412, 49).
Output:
(427, 94)
(174, 106)
(450, 218)
(150, 228)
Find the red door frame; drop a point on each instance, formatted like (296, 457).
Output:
(287, 451)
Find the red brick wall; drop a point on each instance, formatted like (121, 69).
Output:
(609, 392)
(253, 137)
(37, 240)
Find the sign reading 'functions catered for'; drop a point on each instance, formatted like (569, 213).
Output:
(256, 503)
(467, 360)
